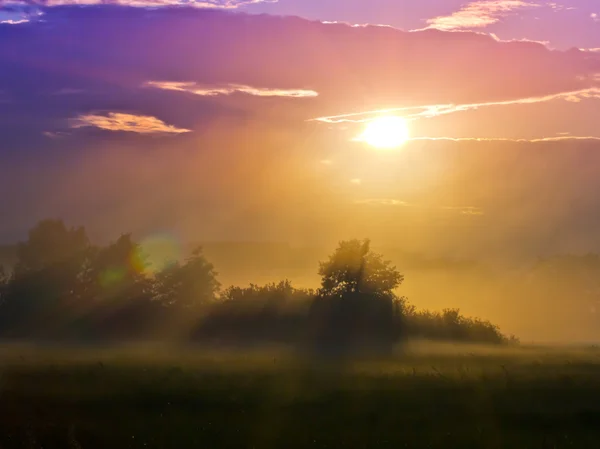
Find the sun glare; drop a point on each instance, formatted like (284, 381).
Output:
(385, 132)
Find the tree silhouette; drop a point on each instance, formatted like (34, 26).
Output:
(45, 278)
(50, 242)
(4, 282)
(115, 272)
(354, 268)
(192, 284)
(114, 286)
(356, 306)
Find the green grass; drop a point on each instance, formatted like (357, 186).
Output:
(150, 396)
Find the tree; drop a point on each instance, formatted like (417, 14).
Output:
(191, 284)
(356, 306)
(354, 268)
(45, 277)
(116, 271)
(4, 280)
(50, 242)
(114, 287)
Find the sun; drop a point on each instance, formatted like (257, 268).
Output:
(387, 132)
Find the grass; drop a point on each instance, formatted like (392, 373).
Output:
(150, 396)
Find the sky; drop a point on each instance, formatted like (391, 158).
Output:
(237, 120)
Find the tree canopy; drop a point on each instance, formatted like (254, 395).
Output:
(192, 283)
(48, 243)
(354, 268)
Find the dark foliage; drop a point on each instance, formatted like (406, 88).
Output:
(450, 325)
(64, 287)
(354, 268)
(274, 313)
(192, 284)
(356, 307)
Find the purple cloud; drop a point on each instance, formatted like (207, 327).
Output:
(105, 57)
(211, 91)
(205, 4)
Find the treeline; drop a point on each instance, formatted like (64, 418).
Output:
(64, 287)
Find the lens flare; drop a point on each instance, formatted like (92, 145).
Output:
(112, 276)
(155, 253)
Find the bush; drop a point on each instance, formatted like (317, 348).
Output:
(274, 313)
(450, 325)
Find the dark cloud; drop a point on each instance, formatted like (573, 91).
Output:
(106, 49)
(202, 4)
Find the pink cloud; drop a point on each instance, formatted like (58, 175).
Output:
(479, 14)
(211, 91)
(14, 22)
(341, 68)
(427, 111)
(116, 121)
(466, 210)
(216, 4)
(562, 138)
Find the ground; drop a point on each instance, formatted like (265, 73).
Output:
(426, 396)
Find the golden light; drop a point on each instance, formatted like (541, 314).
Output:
(385, 132)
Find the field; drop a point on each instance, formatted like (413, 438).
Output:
(426, 396)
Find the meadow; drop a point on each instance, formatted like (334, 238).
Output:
(424, 396)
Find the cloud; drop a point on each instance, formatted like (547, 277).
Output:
(428, 111)
(116, 121)
(474, 211)
(557, 7)
(112, 55)
(525, 40)
(14, 21)
(560, 138)
(595, 17)
(479, 14)
(55, 134)
(204, 4)
(382, 202)
(468, 210)
(564, 138)
(301, 55)
(208, 91)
